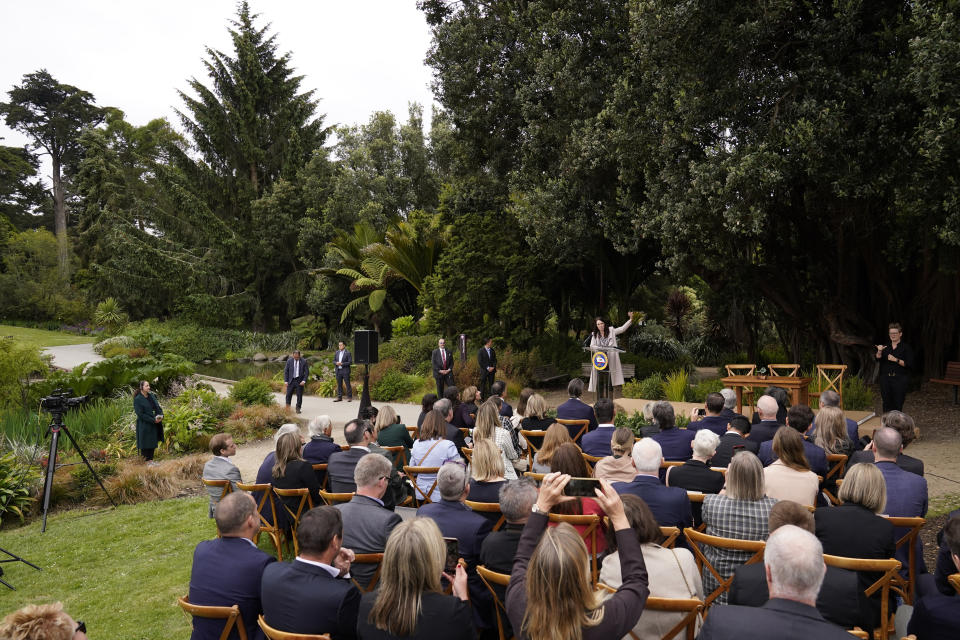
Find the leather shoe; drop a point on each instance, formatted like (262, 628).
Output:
(339, 400)
(349, 399)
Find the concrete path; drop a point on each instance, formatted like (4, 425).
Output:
(70, 355)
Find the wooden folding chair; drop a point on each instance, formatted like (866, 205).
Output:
(695, 539)
(276, 634)
(268, 527)
(487, 507)
(954, 580)
(230, 614)
(890, 568)
(368, 558)
(857, 632)
(697, 496)
(740, 369)
(589, 535)
(413, 472)
(532, 446)
(336, 498)
(591, 461)
(304, 500)
(692, 607)
(225, 488)
(784, 370)
(909, 540)
(830, 378)
(414, 432)
(837, 463)
(321, 466)
(491, 578)
(536, 477)
(467, 453)
(582, 424)
(670, 535)
(399, 454)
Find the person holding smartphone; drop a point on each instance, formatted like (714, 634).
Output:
(896, 362)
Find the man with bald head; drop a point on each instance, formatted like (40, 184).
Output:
(793, 562)
(764, 430)
(906, 492)
(670, 505)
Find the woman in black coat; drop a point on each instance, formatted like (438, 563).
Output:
(290, 471)
(149, 421)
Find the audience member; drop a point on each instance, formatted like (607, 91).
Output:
(219, 466)
(409, 602)
(576, 409)
(831, 436)
(714, 420)
(789, 476)
(432, 449)
(766, 423)
(366, 523)
(426, 406)
(905, 426)
(487, 472)
(830, 398)
(695, 474)
(341, 464)
(569, 461)
(618, 466)
(944, 567)
(227, 570)
(838, 601)
(906, 492)
(672, 573)
(729, 403)
(743, 512)
(793, 561)
(313, 593)
(467, 408)
(321, 445)
(670, 505)
(42, 622)
(450, 431)
(498, 390)
(500, 547)
(674, 442)
(734, 441)
(779, 394)
(550, 593)
(265, 471)
(597, 442)
(489, 427)
(937, 616)
(393, 433)
(290, 471)
(799, 418)
(556, 435)
(369, 413)
(536, 417)
(521, 411)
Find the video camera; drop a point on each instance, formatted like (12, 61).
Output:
(60, 401)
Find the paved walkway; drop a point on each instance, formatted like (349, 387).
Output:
(70, 355)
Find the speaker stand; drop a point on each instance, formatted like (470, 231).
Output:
(365, 396)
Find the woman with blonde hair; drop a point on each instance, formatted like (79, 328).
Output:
(392, 433)
(490, 427)
(291, 471)
(618, 467)
(556, 435)
(486, 472)
(831, 435)
(409, 601)
(468, 404)
(432, 450)
(536, 417)
(789, 476)
(550, 595)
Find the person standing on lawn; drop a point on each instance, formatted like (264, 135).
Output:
(149, 422)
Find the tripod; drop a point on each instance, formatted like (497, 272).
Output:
(56, 426)
(14, 558)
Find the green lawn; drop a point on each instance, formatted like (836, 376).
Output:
(120, 571)
(40, 337)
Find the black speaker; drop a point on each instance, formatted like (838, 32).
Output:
(365, 345)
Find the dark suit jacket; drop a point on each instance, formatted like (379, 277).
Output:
(837, 601)
(347, 361)
(366, 527)
(670, 505)
(906, 497)
(485, 362)
(730, 443)
(303, 598)
(288, 371)
(780, 619)
(577, 409)
(454, 435)
(816, 456)
(506, 410)
(318, 451)
(675, 443)
(456, 520)
(935, 617)
(905, 462)
(340, 468)
(438, 362)
(763, 431)
(461, 415)
(717, 424)
(500, 548)
(945, 566)
(597, 442)
(298, 475)
(441, 616)
(694, 475)
(227, 571)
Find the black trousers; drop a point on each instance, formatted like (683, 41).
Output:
(147, 454)
(343, 378)
(292, 387)
(443, 381)
(893, 391)
(486, 380)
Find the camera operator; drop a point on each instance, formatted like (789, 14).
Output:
(149, 421)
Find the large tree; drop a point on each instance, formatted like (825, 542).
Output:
(21, 193)
(53, 114)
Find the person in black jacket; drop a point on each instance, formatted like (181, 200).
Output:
(732, 441)
(149, 421)
(896, 362)
(290, 471)
(487, 359)
(695, 474)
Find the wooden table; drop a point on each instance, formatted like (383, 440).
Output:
(798, 388)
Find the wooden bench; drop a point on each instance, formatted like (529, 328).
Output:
(951, 377)
(629, 370)
(548, 373)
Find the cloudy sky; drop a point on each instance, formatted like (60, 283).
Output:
(359, 55)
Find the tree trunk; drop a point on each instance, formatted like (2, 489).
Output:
(60, 220)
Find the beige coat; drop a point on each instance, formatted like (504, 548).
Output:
(783, 483)
(616, 371)
(615, 469)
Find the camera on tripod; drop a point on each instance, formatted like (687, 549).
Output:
(60, 401)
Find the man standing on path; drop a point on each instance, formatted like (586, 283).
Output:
(341, 363)
(442, 360)
(294, 378)
(487, 358)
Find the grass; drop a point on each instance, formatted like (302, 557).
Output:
(944, 504)
(42, 338)
(119, 570)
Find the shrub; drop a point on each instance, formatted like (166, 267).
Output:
(125, 342)
(118, 373)
(650, 388)
(700, 390)
(113, 350)
(675, 387)
(655, 345)
(646, 366)
(15, 483)
(402, 327)
(111, 316)
(394, 385)
(704, 351)
(631, 388)
(256, 422)
(857, 396)
(635, 422)
(196, 343)
(408, 351)
(208, 399)
(250, 391)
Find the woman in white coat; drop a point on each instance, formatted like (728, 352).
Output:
(606, 336)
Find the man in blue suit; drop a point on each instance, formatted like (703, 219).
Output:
(799, 418)
(714, 420)
(906, 492)
(313, 593)
(937, 615)
(597, 442)
(764, 430)
(577, 409)
(674, 442)
(295, 374)
(227, 570)
(498, 388)
(341, 363)
(670, 505)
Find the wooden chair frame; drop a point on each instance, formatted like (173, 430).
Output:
(909, 539)
(691, 606)
(793, 370)
(954, 580)
(584, 425)
(890, 580)
(336, 498)
(276, 634)
(670, 536)
(500, 579)
(536, 477)
(368, 558)
(399, 453)
(321, 466)
(837, 464)
(467, 453)
(830, 378)
(272, 530)
(413, 472)
(697, 496)
(225, 488)
(857, 632)
(695, 539)
(592, 522)
(487, 507)
(413, 431)
(591, 461)
(230, 614)
(532, 448)
(304, 494)
(740, 369)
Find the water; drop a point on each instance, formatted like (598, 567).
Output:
(239, 370)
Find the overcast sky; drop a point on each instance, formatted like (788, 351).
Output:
(360, 56)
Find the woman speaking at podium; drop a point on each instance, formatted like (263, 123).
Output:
(606, 336)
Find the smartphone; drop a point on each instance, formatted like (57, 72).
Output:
(453, 555)
(701, 412)
(582, 487)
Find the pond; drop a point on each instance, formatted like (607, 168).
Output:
(239, 370)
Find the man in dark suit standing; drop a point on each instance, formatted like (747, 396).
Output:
(669, 505)
(313, 593)
(295, 374)
(442, 360)
(764, 430)
(906, 492)
(487, 358)
(341, 364)
(799, 418)
(733, 441)
(366, 522)
(227, 570)
(793, 561)
(576, 409)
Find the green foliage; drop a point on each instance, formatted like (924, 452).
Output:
(704, 351)
(15, 485)
(657, 345)
(256, 422)
(394, 385)
(857, 396)
(195, 342)
(18, 362)
(635, 422)
(111, 316)
(112, 344)
(649, 388)
(30, 283)
(20, 192)
(122, 372)
(251, 391)
(700, 390)
(675, 387)
(645, 367)
(408, 351)
(403, 327)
